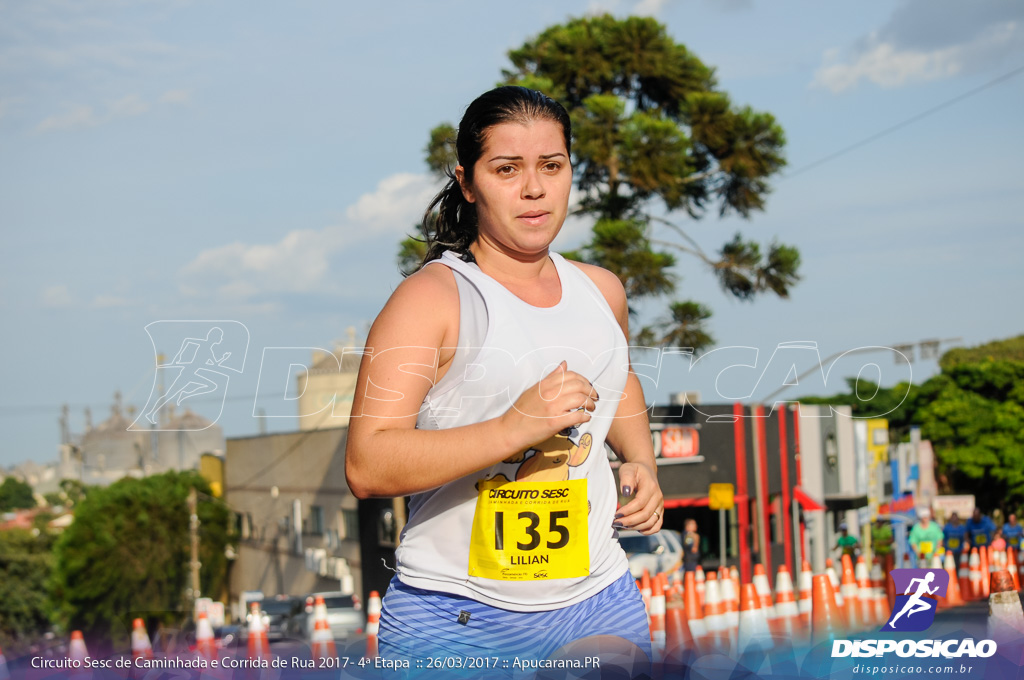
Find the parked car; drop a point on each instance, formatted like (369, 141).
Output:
(278, 612)
(345, 616)
(661, 551)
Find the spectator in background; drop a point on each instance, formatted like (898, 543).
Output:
(881, 541)
(998, 542)
(925, 537)
(691, 545)
(846, 544)
(955, 534)
(1013, 533)
(980, 529)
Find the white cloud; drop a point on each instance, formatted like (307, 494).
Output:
(56, 297)
(889, 59)
(396, 204)
(75, 117)
(130, 105)
(301, 262)
(108, 301)
(176, 97)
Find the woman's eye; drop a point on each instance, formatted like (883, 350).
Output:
(553, 167)
(506, 170)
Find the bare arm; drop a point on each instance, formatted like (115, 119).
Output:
(630, 433)
(408, 349)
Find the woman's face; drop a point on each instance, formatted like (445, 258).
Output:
(520, 186)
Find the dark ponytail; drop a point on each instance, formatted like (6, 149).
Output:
(449, 222)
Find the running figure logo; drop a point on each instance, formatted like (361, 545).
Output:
(207, 352)
(915, 608)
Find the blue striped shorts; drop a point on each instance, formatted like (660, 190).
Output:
(428, 627)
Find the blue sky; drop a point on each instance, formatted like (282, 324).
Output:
(168, 159)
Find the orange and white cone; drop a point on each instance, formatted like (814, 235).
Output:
(645, 590)
(730, 604)
(976, 578)
(787, 621)
(714, 615)
(259, 644)
(833, 579)
(142, 648)
(678, 637)
(76, 649)
(372, 624)
(754, 634)
(323, 643)
(851, 602)
(866, 615)
(1005, 615)
(879, 601)
(986, 574)
(826, 621)
(657, 619)
(701, 579)
(695, 613)
(964, 576)
(206, 647)
(1011, 566)
(764, 595)
(953, 596)
(804, 605)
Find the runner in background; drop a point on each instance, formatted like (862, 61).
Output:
(881, 542)
(955, 536)
(980, 529)
(691, 545)
(1013, 533)
(925, 538)
(846, 544)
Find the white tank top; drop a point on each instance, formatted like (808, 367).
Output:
(506, 346)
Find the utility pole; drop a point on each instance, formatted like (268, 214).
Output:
(193, 530)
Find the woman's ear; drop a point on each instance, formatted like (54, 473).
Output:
(467, 189)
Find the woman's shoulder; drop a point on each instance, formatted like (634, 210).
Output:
(607, 282)
(429, 296)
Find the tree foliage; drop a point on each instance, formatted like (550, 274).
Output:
(26, 560)
(654, 136)
(127, 553)
(15, 495)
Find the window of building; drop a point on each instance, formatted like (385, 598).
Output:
(348, 524)
(316, 520)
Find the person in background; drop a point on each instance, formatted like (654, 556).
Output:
(881, 542)
(998, 543)
(980, 529)
(691, 546)
(846, 544)
(955, 536)
(925, 537)
(1013, 533)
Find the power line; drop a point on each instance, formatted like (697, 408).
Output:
(905, 123)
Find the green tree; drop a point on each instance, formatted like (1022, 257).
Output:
(15, 495)
(26, 560)
(654, 139)
(127, 554)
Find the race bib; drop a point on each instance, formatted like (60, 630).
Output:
(953, 543)
(530, 531)
(1014, 541)
(926, 547)
(981, 538)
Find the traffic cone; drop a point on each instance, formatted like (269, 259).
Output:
(975, 567)
(787, 614)
(1011, 567)
(322, 643)
(826, 621)
(730, 604)
(645, 589)
(714, 615)
(678, 638)
(142, 648)
(1005, 616)
(695, 613)
(866, 613)
(206, 647)
(701, 579)
(4, 673)
(76, 649)
(753, 634)
(953, 596)
(836, 590)
(804, 606)
(657, 619)
(851, 603)
(964, 576)
(764, 595)
(259, 645)
(878, 599)
(986, 574)
(372, 623)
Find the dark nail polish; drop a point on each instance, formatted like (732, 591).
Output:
(627, 491)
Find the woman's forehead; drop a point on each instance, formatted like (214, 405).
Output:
(531, 139)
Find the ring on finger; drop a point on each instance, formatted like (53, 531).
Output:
(657, 514)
